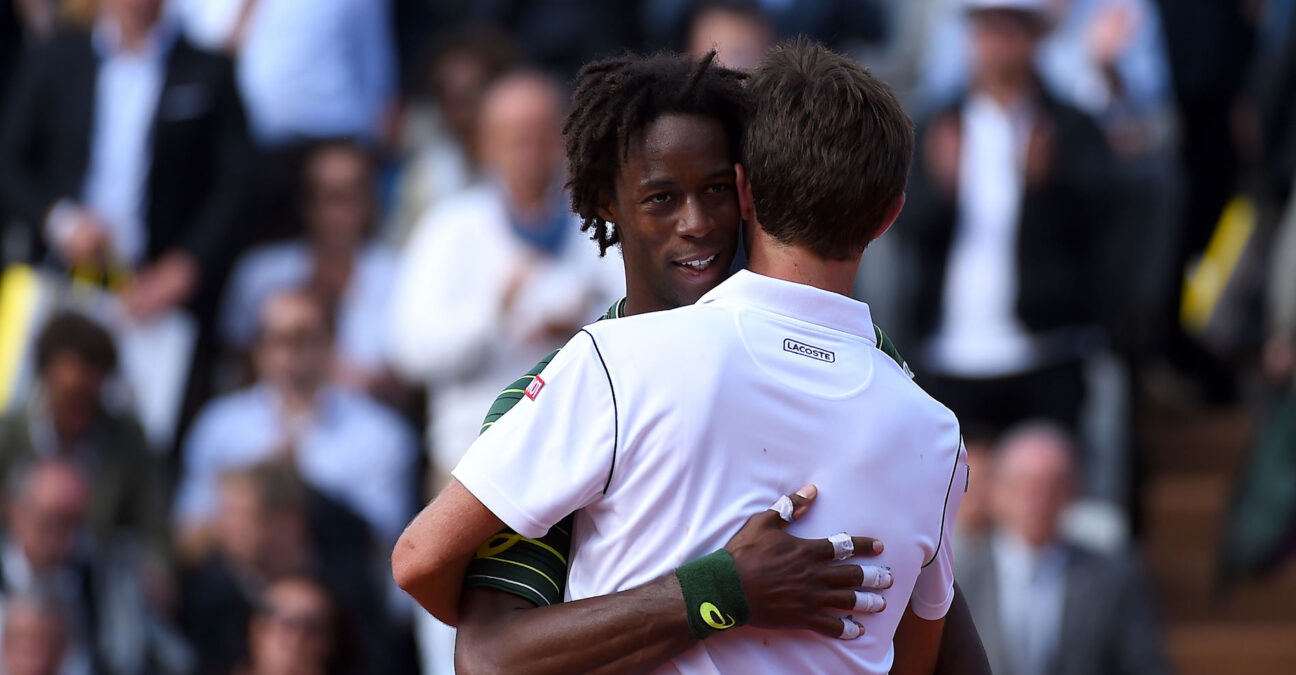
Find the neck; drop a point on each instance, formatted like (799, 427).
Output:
(134, 31)
(792, 263)
(530, 201)
(1006, 88)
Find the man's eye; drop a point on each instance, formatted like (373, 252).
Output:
(659, 198)
(719, 187)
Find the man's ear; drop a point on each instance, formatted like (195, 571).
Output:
(746, 204)
(891, 218)
(607, 211)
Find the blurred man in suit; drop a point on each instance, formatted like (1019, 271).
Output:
(124, 150)
(1042, 604)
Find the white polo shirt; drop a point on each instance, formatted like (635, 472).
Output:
(664, 432)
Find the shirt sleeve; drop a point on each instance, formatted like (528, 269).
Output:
(553, 453)
(533, 569)
(934, 591)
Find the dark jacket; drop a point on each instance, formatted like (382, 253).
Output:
(1070, 248)
(1108, 621)
(196, 182)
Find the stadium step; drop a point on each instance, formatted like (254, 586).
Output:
(1193, 460)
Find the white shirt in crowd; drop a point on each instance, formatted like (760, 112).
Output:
(352, 449)
(979, 334)
(665, 432)
(127, 89)
(447, 328)
(306, 68)
(1032, 589)
(361, 314)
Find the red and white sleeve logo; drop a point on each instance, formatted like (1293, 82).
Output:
(533, 389)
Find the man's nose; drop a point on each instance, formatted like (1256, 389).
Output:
(695, 220)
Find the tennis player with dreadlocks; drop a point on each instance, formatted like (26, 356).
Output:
(651, 145)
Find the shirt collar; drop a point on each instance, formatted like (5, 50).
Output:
(796, 301)
(107, 39)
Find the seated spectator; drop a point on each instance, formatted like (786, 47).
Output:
(295, 631)
(342, 443)
(45, 551)
(1011, 223)
(740, 32)
(497, 277)
(34, 636)
(124, 152)
(437, 134)
(1042, 604)
(271, 526)
(336, 259)
(975, 518)
(66, 418)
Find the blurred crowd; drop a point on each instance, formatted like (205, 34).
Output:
(329, 232)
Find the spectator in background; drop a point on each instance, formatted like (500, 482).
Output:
(975, 517)
(34, 636)
(295, 631)
(65, 418)
(45, 551)
(271, 527)
(438, 134)
(124, 151)
(1044, 605)
(342, 443)
(498, 276)
(337, 259)
(740, 32)
(1010, 223)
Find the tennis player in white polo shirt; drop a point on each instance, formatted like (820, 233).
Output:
(664, 431)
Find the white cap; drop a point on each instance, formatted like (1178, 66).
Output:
(1032, 6)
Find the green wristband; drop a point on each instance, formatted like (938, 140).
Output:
(713, 594)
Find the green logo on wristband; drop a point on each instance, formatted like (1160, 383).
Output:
(715, 618)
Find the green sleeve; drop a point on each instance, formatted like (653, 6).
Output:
(533, 569)
(513, 393)
(888, 347)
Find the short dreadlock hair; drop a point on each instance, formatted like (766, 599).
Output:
(616, 99)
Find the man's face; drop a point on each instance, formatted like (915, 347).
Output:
(1032, 488)
(339, 198)
(49, 514)
(73, 388)
(292, 637)
(294, 350)
(1004, 42)
(520, 135)
(676, 209)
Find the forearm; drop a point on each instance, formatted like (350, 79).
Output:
(632, 631)
(917, 645)
(961, 651)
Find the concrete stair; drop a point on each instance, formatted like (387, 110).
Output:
(1193, 459)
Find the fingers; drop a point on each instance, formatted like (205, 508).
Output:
(834, 547)
(869, 603)
(864, 602)
(842, 628)
(793, 506)
(869, 577)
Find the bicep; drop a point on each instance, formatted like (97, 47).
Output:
(917, 644)
(434, 551)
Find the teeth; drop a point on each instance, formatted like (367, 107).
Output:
(700, 264)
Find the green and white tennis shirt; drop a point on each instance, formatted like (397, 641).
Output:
(536, 569)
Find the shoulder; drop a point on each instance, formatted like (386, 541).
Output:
(186, 53)
(465, 216)
(364, 413)
(230, 408)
